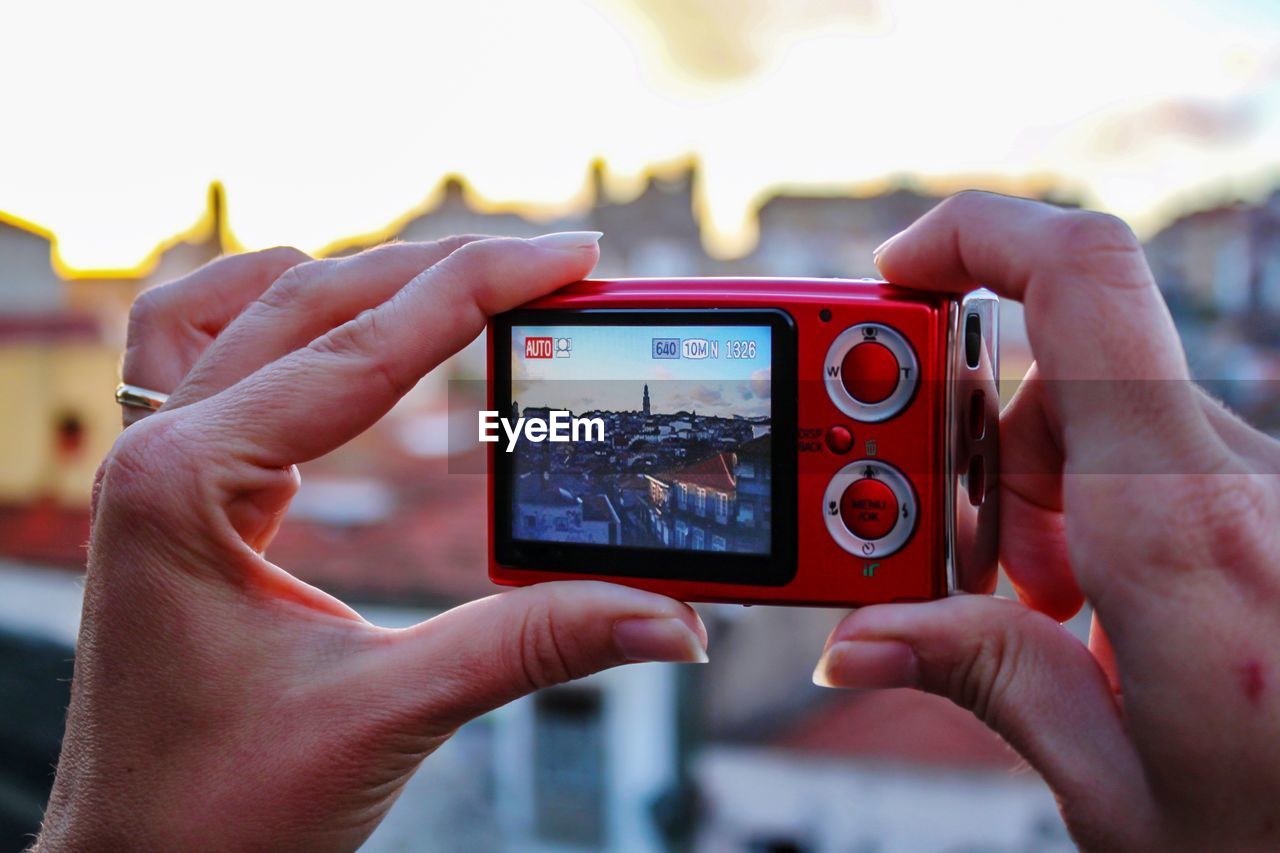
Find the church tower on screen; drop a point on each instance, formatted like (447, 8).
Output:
(646, 401)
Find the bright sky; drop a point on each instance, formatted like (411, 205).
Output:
(325, 119)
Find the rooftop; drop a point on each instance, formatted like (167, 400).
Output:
(715, 472)
(598, 508)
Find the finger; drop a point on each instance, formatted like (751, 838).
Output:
(1252, 444)
(317, 398)
(1105, 654)
(1033, 541)
(482, 655)
(1118, 395)
(1035, 557)
(1024, 676)
(1030, 459)
(303, 304)
(171, 325)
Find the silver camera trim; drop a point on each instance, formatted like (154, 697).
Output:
(972, 531)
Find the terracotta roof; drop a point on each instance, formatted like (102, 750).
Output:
(712, 473)
(44, 532)
(431, 548)
(61, 326)
(898, 725)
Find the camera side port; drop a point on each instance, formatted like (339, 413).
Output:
(972, 340)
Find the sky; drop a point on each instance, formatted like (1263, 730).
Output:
(608, 367)
(327, 119)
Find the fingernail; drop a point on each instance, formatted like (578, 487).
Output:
(868, 664)
(879, 250)
(658, 640)
(568, 239)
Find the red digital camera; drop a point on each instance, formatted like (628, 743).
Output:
(771, 441)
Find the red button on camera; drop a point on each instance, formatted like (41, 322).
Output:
(839, 439)
(869, 509)
(869, 372)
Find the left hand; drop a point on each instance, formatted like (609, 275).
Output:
(218, 701)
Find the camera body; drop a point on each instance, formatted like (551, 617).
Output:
(814, 442)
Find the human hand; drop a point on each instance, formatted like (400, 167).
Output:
(1124, 484)
(219, 702)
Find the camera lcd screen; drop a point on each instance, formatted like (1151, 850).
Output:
(646, 443)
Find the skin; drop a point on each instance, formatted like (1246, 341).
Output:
(218, 702)
(1126, 486)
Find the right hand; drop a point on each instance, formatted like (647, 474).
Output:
(1124, 484)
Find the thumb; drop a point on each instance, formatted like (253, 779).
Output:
(484, 654)
(1027, 678)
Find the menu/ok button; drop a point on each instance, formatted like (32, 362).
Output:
(869, 508)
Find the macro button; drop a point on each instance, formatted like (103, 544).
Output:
(870, 372)
(839, 439)
(869, 508)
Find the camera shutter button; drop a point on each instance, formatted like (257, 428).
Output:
(869, 508)
(870, 372)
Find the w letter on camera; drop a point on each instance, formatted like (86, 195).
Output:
(558, 426)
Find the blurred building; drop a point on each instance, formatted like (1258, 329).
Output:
(830, 235)
(56, 376)
(1224, 262)
(655, 233)
(743, 754)
(61, 340)
(1220, 271)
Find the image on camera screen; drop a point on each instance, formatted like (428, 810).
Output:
(669, 436)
